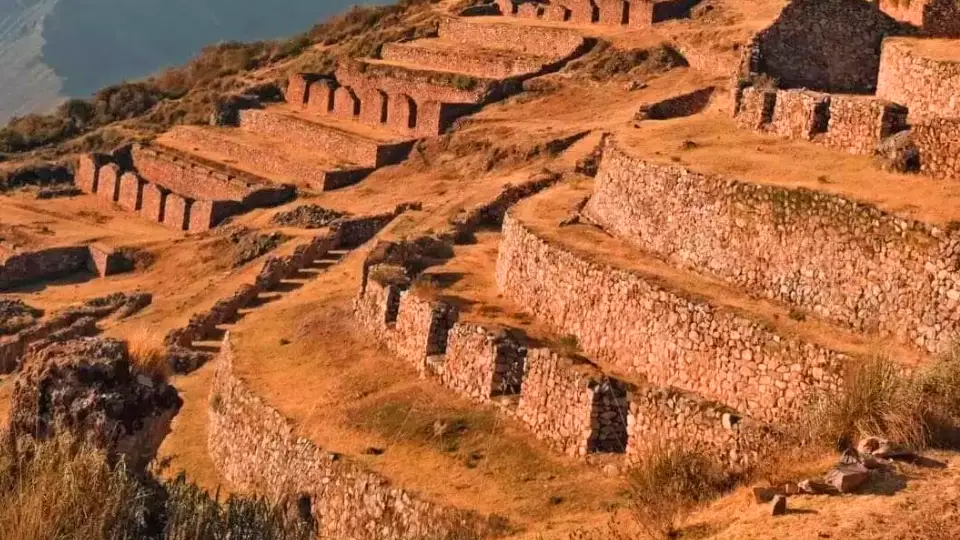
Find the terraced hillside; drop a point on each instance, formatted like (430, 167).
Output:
(468, 287)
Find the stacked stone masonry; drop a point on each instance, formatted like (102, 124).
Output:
(928, 86)
(272, 159)
(164, 187)
(573, 405)
(30, 267)
(634, 13)
(844, 261)
(853, 124)
(633, 323)
(935, 18)
(257, 450)
(938, 142)
(824, 45)
(568, 403)
(311, 136)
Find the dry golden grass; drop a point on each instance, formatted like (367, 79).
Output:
(147, 353)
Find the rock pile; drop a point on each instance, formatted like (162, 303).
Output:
(87, 389)
(307, 216)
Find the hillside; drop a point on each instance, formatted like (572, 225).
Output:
(51, 50)
(561, 269)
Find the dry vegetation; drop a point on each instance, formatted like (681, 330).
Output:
(188, 94)
(920, 409)
(48, 495)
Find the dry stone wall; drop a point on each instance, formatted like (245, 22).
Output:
(542, 41)
(937, 18)
(258, 450)
(929, 87)
(826, 45)
(493, 64)
(273, 160)
(572, 405)
(634, 323)
(310, 136)
(634, 13)
(482, 362)
(164, 187)
(853, 124)
(938, 142)
(845, 261)
(665, 417)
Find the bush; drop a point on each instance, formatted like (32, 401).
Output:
(670, 482)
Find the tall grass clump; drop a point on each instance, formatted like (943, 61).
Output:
(919, 408)
(68, 491)
(668, 483)
(147, 353)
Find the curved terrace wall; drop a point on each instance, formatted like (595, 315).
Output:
(929, 87)
(258, 450)
(636, 324)
(848, 262)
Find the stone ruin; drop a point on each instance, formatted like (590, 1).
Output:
(565, 401)
(52, 263)
(345, 233)
(844, 74)
(66, 324)
(173, 189)
(933, 18)
(632, 13)
(89, 390)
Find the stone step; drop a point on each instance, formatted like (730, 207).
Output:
(272, 158)
(640, 316)
(310, 130)
(447, 55)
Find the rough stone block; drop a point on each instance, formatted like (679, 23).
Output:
(297, 90)
(177, 212)
(154, 203)
(346, 103)
(108, 186)
(131, 192)
(858, 123)
(88, 171)
(800, 114)
(756, 108)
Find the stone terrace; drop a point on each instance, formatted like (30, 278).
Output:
(633, 13)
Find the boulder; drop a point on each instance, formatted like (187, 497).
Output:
(87, 389)
(779, 506)
(764, 495)
(846, 478)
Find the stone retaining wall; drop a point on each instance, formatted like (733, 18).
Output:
(853, 124)
(572, 405)
(171, 190)
(482, 362)
(273, 160)
(310, 136)
(845, 261)
(664, 417)
(22, 268)
(826, 45)
(938, 141)
(494, 65)
(633, 322)
(258, 450)
(938, 18)
(540, 41)
(929, 87)
(634, 13)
